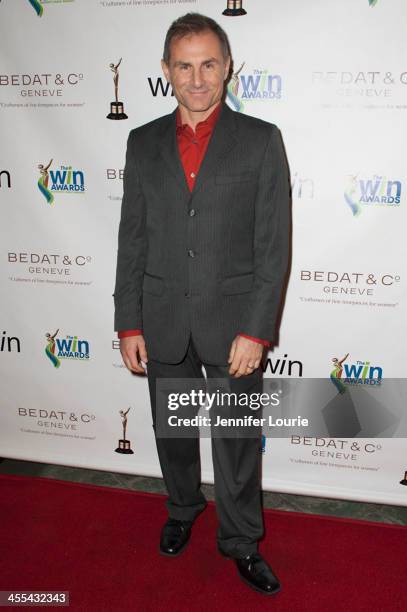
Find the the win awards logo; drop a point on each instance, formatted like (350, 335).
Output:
(64, 180)
(371, 191)
(70, 347)
(373, 2)
(5, 179)
(258, 85)
(359, 373)
(38, 4)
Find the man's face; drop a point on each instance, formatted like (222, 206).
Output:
(197, 70)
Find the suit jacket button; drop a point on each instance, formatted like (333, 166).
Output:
(192, 212)
(191, 253)
(187, 295)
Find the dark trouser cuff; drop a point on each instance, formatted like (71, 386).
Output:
(237, 552)
(185, 513)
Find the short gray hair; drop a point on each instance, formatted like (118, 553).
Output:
(195, 23)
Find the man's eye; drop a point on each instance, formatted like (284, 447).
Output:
(184, 66)
(209, 65)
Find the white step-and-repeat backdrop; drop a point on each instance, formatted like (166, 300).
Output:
(333, 77)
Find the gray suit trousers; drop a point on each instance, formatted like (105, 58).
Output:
(236, 461)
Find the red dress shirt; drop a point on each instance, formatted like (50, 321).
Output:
(192, 148)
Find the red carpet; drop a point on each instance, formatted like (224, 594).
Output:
(101, 545)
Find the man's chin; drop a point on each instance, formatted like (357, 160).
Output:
(200, 106)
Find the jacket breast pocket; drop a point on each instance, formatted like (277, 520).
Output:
(243, 283)
(238, 177)
(153, 284)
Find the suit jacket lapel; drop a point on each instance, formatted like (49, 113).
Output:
(222, 141)
(169, 151)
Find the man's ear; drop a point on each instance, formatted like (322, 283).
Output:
(165, 70)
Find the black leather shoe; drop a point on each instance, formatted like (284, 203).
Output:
(174, 537)
(256, 572)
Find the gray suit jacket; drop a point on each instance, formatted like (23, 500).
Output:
(211, 262)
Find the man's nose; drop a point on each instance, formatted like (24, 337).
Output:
(197, 77)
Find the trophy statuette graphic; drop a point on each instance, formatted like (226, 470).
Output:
(404, 481)
(116, 107)
(124, 445)
(234, 8)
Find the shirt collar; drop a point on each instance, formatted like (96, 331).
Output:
(208, 123)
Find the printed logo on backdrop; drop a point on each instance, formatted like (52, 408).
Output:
(118, 361)
(302, 188)
(9, 344)
(283, 367)
(160, 87)
(353, 374)
(332, 287)
(144, 4)
(56, 422)
(5, 179)
(336, 453)
(47, 267)
(124, 446)
(379, 89)
(69, 347)
(64, 180)
(234, 8)
(41, 89)
(372, 2)
(114, 176)
(257, 85)
(38, 5)
(371, 191)
(116, 107)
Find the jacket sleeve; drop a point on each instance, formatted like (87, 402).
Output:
(271, 241)
(131, 254)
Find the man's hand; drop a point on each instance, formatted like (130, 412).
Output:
(133, 350)
(244, 357)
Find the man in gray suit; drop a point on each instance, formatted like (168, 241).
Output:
(202, 257)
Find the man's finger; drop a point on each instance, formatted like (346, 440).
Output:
(236, 367)
(143, 353)
(132, 364)
(137, 369)
(232, 351)
(252, 366)
(243, 367)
